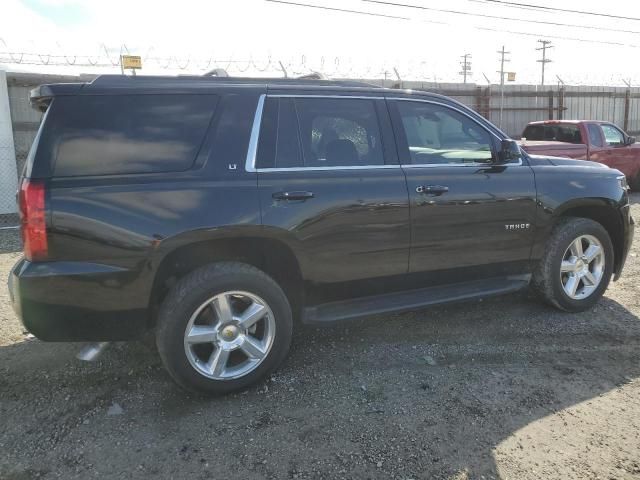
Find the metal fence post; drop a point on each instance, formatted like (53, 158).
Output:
(627, 105)
(561, 103)
(479, 100)
(550, 95)
(487, 103)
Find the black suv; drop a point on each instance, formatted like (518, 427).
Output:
(214, 212)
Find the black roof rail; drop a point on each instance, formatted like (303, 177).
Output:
(128, 80)
(216, 72)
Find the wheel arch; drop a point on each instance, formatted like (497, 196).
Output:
(604, 212)
(274, 256)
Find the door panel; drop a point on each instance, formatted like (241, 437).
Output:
(470, 219)
(616, 154)
(356, 225)
(481, 227)
(330, 186)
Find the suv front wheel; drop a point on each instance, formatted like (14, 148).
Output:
(576, 267)
(223, 327)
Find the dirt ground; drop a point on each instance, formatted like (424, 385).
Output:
(503, 388)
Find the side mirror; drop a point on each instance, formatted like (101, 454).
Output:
(631, 140)
(509, 151)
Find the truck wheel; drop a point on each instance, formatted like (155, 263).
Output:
(223, 327)
(576, 267)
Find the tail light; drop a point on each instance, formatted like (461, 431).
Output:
(33, 223)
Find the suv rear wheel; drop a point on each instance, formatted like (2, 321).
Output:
(577, 265)
(223, 327)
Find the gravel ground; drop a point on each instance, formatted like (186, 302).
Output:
(503, 388)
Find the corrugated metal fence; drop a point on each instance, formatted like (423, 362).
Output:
(522, 104)
(527, 103)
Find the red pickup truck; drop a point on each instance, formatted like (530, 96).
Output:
(585, 140)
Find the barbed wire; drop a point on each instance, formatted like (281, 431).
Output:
(332, 67)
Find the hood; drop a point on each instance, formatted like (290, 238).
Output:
(561, 161)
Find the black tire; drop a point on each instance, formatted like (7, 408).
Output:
(192, 291)
(547, 278)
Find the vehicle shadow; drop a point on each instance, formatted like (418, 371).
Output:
(490, 389)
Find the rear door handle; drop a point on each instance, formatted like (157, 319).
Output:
(292, 195)
(432, 189)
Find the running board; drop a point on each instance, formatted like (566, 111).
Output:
(412, 300)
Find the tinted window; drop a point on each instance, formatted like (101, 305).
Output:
(279, 140)
(594, 134)
(566, 132)
(612, 135)
(125, 134)
(338, 132)
(439, 135)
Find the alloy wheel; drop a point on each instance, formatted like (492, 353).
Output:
(229, 335)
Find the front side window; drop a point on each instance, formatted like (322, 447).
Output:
(612, 135)
(438, 135)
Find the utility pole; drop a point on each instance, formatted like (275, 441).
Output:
(466, 66)
(544, 60)
(502, 54)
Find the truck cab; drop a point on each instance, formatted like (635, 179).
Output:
(597, 141)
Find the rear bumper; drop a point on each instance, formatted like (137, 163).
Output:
(77, 301)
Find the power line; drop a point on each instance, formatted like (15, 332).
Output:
(500, 30)
(558, 37)
(344, 10)
(482, 15)
(554, 9)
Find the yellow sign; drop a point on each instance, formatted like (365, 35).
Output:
(131, 61)
(511, 76)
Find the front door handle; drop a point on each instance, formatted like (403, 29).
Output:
(292, 195)
(432, 189)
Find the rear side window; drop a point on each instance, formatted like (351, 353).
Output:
(319, 132)
(127, 134)
(339, 132)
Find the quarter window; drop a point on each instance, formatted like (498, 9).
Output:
(612, 135)
(438, 135)
(126, 134)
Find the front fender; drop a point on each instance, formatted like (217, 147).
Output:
(569, 190)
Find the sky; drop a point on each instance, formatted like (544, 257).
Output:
(371, 40)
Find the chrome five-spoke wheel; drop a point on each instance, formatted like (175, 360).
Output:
(229, 335)
(582, 267)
